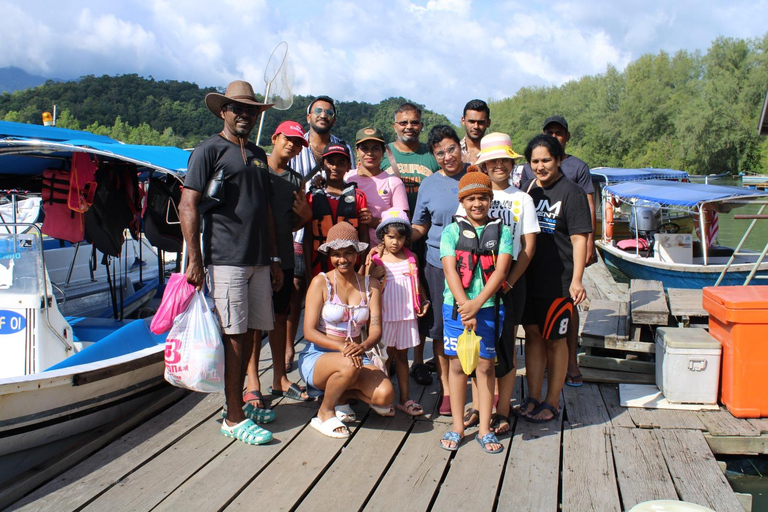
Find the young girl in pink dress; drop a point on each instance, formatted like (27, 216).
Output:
(401, 299)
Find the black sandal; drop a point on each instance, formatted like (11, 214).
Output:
(471, 418)
(421, 375)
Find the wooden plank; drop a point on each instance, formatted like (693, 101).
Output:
(214, 485)
(286, 479)
(533, 465)
(585, 406)
(738, 445)
(472, 473)
(108, 466)
(601, 285)
(606, 319)
(588, 485)
(649, 304)
(616, 364)
(694, 470)
(148, 485)
(722, 423)
(665, 418)
(17, 488)
(152, 482)
(594, 375)
(619, 415)
(413, 479)
(641, 471)
(354, 474)
(686, 303)
(760, 424)
(613, 344)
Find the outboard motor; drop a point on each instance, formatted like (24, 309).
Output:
(645, 220)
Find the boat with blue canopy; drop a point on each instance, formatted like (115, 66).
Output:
(604, 176)
(66, 367)
(662, 250)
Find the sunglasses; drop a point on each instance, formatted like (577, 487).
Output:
(239, 110)
(406, 123)
(328, 112)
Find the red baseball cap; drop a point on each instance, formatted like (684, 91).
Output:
(292, 129)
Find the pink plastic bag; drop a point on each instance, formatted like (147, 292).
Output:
(176, 297)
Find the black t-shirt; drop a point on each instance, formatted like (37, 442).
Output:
(283, 187)
(562, 210)
(235, 233)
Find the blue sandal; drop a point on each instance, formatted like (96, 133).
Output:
(451, 437)
(489, 439)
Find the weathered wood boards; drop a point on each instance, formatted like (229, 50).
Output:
(649, 304)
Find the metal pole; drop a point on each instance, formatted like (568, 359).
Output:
(261, 121)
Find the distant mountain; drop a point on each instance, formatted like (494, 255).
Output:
(16, 79)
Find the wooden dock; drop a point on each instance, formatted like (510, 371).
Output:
(596, 456)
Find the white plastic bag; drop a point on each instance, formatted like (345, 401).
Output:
(194, 352)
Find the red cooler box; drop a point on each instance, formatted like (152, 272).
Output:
(738, 318)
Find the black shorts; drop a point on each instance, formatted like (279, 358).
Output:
(435, 281)
(281, 299)
(505, 347)
(553, 316)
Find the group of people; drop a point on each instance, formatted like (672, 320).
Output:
(405, 242)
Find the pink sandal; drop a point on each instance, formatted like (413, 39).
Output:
(411, 408)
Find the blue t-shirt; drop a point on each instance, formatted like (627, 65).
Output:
(436, 205)
(448, 248)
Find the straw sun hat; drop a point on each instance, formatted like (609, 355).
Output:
(495, 145)
(342, 235)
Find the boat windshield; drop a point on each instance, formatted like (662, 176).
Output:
(21, 266)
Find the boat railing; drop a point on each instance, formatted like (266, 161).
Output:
(21, 233)
(760, 215)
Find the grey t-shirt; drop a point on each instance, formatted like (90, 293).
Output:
(235, 233)
(436, 204)
(575, 169)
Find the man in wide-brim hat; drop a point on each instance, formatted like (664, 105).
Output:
(238, 249)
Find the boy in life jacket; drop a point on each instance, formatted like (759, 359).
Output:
(476, 253)
(336, 201)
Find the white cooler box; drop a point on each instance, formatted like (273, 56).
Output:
(687, 365)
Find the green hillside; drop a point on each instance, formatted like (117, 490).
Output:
(146, 111)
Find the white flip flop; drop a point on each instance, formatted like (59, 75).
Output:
(329, 426)
(345, 413)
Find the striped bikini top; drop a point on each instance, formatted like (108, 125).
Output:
(343, 320)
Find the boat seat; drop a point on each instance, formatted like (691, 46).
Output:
(131, 338)
(713, 251)
(94, 329)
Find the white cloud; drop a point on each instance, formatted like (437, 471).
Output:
(437, 52)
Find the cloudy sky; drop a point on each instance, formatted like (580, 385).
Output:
(437, 52)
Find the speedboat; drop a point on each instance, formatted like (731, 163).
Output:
(66, 368)
(662, 251)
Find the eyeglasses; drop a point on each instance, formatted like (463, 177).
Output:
(328, 112)
(451, 150)
(239, 110)
(406, 123)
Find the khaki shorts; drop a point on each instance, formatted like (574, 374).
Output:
(243, 297)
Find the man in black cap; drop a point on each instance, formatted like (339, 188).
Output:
(239, 248)
(577, 171)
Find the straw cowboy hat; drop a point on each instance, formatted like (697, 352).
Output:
(238, 91)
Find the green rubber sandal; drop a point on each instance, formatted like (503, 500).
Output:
(246, 431)
(254, 414)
